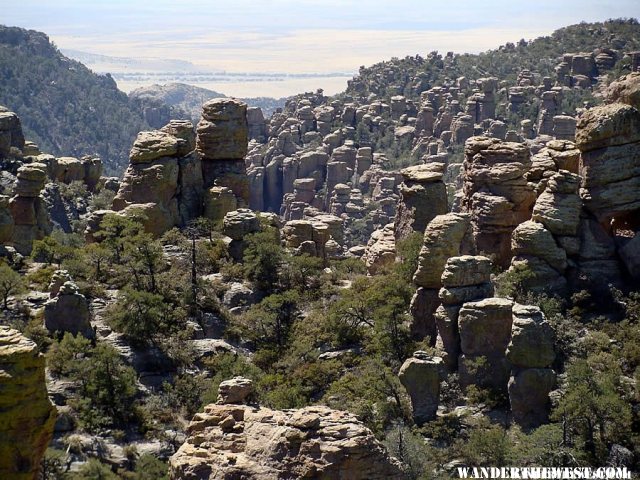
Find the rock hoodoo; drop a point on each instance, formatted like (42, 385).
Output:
(496, 193)
(26, 414)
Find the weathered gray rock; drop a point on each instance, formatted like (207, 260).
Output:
(235, 390)
(529, 396)
(420, 375)
(27, 416)
(239, 441)
(423, 196)
(68, 312)
(532, 338)
(485, 326)
(496, 193)
(466, 270)
(223, 130)
(442, 240)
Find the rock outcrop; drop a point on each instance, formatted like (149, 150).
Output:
(496, 193)
(530, 353)
(26, 414)
(444, 237)
(423, 196)
(241, 441)
(465, 279)
(485, 331)
(221, 144)
(609, 139)
(28, 209)
(68, 311)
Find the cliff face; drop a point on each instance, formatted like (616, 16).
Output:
(26, 414)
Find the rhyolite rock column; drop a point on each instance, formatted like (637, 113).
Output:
(27, 416)
(465, 278)
(420, 375)
(423, 196)
(221, 143)
(485, 332)
(28, 209)
(530, 352)
(443, 238)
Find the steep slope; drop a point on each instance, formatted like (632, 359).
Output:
(412, 75)
(65, 107)
(189, 99)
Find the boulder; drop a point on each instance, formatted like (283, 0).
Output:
(239, 223)
(153, 145)
(235, 390)
(466, 270)
(485, 326)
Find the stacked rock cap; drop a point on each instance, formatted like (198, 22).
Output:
(239, 223)
(150, 146)
(223, 130)
(466, 270)
(183, 131)
(429, 172)
(26, 414)
(235, 390)
(31, 179)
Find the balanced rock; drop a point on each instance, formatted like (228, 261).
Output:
(236, 390)
(443, 238)
(423, 196)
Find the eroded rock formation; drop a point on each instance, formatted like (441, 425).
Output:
(26, 414)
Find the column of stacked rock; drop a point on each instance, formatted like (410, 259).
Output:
(29, 212)
(464, 279)
(496, 194)
(485, 331)
(530, 354)
(26, 414)
(423, 196)
(421, 375)
(548, 245)
(443, 238)
(221, 144)
(150, 183)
